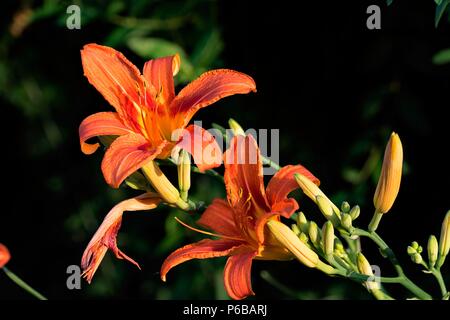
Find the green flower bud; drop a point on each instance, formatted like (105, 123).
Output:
(415, 245)
(328, 238)
(237, 129)
(444, 242)
(416, 258)
(365, 268)
(346, 221)
(314, 233)
(184, 173)
(419, 249)
(354, 213)
(345, 207)
(302, 223)
(410, 250)
(338, 246)
(296, 230)
(303, 237)
(433, 249)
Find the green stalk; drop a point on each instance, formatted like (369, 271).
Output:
(403, 279)
(23, 284)
(438, 275)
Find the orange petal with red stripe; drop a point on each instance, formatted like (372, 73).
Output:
(100, 124)
(207, 89)
(127, 154)
(111, 74)
(203, 249)
(237, 275)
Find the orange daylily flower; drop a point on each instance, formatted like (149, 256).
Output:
(106, 236)
(5, 256)
(240, 222)
(149, 115)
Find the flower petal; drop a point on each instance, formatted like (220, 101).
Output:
(203, 147)
(203, 249)
(244, 174)
(207, 89)
(159, 73)
(237, 275)
(219, 218)
(283, 183)
(127, 154)
(99, 124)
(111, 74)
(106, 236)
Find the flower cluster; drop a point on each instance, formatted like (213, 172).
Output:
(151, 123)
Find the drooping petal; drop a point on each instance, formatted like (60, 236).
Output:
(237, 275)
(218, 217)
(127, 154)
(106, 236)
(99, 124)
(159, 73)
(207, 89)
(202, 146)
(244, 174)
(111, 74)
(203, 249)
(281, 184)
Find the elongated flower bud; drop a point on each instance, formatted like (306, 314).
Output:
(391, 175)
(354, 213)
(314, 193)
(444, 241)
(347, 221)
(313, 232)
(184, 173)
(287, 237)
(302, 222)
(433, 249)
(365, 268)
(5, 256)
(328, 238)
(345, 207)
(237, 129)
(162, 185)
(296, 230)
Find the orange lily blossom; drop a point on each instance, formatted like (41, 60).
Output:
(148, 113)
(5, 256)
(240, 222)
(106, 236)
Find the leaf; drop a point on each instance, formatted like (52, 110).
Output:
(389, 2)
(150, 48)
(440, 9)
(207, 49)
(441, 57)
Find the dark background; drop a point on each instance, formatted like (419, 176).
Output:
(334, 89)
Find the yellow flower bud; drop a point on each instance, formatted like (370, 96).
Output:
(328, 238)
(287, 237)
(313, 232)
(315, 194)
(184, 173)
(237, 129)
(391, 175)
(365, 268)
(354, 213)
(302, 223)
(162, 185)
(444, 241)
(347, 221)
(433, 249)
(296, 230)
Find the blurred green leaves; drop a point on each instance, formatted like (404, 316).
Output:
(442, 57)
(441, 6)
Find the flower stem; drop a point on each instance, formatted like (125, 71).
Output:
(438, 275)
(23, 284)
(373, 225)
(403, 279)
